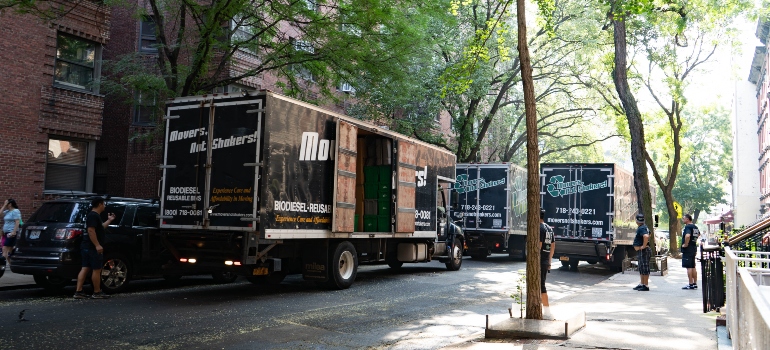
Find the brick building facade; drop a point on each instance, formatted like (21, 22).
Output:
(52, 104)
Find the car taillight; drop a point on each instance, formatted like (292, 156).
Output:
(67, 233)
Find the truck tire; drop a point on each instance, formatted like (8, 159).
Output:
(269, 280)
(512, 241)
(344, 266)
(116, 273)
(395, 264)
(456, 260)
(224, 277)
(51, 283)
(573, 264)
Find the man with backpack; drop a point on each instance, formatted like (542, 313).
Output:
(690, 236)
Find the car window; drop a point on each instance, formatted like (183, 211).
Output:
(146, 216)
(128, 216)
(61, 212)
(114, 208)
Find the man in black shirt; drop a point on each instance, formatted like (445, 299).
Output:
(546, 245)
(689, 248)
(644, 252)
(91, 250)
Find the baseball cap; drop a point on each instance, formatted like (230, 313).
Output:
(640, 217)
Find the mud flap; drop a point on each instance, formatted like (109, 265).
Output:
(315, 261)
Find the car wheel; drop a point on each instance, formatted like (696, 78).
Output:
(51, 282)
(116, 273)
(573, 264)
(344, 266)
(224, 277)
(592, 262)
(456, 260)
(564, 263)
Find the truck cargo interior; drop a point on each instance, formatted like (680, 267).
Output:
(374, 183)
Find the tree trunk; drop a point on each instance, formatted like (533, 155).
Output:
(673, 223)
(534, 311)
(634, 117)
(695, 214)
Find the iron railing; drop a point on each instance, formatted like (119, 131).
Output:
(713, 280)
(748, 311)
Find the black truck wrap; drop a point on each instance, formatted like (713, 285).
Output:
(263, 185)
(492, 208)
(591, 208)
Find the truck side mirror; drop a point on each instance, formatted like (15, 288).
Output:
(656, 220)
(455, 198)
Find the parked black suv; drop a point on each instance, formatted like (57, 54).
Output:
(49, 245)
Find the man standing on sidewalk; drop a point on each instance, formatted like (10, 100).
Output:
(690, 235)
(547, 246)
(92, 251)
(642, 248)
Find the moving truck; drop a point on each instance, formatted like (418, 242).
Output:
(592, 209)
(263, 186)
(493, 208)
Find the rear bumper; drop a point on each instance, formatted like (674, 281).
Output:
(597, 251)
(26, 265)
(485, 241)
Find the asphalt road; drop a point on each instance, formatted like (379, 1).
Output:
(420, 306)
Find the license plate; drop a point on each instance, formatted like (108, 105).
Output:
(34, 234)
(260, 271)
(564, 258)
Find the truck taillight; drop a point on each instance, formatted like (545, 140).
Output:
(67, 233)
(608, 257)
(497, 245)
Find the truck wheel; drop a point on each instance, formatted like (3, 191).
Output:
(395, 264)
(511, 243)
(271, 279)
(224, 277)
(344, 266)
(456, 260)
(573, 264)
(116, 273)
(52, 283)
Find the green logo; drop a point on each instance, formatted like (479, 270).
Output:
(558, 188)
(464, 185)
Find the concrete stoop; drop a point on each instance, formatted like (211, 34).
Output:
(564, 326)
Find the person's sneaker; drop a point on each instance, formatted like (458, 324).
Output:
(693, 286)
(638, 287)
(690, 286)
(644, 289)
(100, 295)
(80, 295)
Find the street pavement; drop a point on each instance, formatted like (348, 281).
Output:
(420, 307)
(618, 317)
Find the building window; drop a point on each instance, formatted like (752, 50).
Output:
(145, 108)
(66, 165)
(148, 40)
(100, 175)
(311, 5)
(301, 71)
(76, 63)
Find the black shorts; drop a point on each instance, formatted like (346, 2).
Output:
(688, 260)
(9, 241)
(643, 259)
(543, 274)
(91, 259)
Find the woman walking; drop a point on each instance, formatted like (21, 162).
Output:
(11, 220)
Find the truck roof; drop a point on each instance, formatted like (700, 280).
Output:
(358, 122)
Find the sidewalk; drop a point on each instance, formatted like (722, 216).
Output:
(618, 317)
(12, 280)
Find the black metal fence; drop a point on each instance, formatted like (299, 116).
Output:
(712, 272)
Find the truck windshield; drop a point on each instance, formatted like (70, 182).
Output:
(60, 212)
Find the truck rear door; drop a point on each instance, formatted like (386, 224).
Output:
(211, 165)
(578, 200)
(483, 192)
(345, 178)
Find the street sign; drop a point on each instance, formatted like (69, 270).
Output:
(678, 209)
